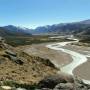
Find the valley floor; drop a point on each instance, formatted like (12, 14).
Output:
(60, 58)
(82, 70)
(57, 57)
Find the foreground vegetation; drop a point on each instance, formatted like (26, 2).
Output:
(15, 85)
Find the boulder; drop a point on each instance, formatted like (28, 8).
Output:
(52, 81)
(13, 56)
(9, 52)
(64, 86)
(16, 60)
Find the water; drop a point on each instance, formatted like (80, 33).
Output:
(78, 58)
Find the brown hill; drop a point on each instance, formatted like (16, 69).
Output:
(21, 67)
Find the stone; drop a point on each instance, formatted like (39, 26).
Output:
(52, 81)
(21, 89)
(45, 89)
(67, 86)
(6, 87)
(16, 60)
(9, 52)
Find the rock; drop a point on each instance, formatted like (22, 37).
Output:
(13, 56)
(16, 60)
(9, 52)
(49, 63)
(6, 87)
(80, 85)
(78, 80)
(45, 89)
(21, 89)
(52, 81)
(64, 86)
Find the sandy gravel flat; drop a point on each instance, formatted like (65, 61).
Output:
(83, 70)
(62, 58)
(57, 57)
(80, 49)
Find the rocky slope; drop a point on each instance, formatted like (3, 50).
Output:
(21, 67)
(63, 81)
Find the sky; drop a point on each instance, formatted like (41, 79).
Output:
(33, 13)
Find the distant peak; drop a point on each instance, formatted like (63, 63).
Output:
(86, 21)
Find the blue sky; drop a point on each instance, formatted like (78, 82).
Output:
(33, 13)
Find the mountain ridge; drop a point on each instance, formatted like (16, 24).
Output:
(65, 28)
(77, 28)
(12, 31)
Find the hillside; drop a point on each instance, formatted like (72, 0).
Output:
(82, 28)
(19, 67)
(13, 32)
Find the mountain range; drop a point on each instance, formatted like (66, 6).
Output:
(80, 28)
(11, 30)
(77, 28)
